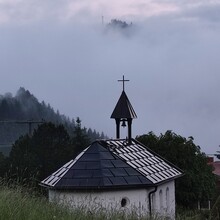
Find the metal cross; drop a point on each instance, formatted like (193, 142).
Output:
(123, 80)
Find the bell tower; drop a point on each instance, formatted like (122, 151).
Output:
(123, 113)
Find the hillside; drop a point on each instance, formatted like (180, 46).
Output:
(16, 113)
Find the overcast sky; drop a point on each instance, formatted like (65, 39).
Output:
(60, 51)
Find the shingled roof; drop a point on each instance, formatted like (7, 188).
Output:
(123, 108)
(111, 164)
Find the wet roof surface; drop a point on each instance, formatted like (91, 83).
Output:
(152, 166)
(113, 163)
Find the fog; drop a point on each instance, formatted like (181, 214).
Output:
(63, 54)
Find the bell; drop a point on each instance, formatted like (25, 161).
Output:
(123, 123)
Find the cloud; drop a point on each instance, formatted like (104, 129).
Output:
(60, 52)
(22, 12)
(206, 13)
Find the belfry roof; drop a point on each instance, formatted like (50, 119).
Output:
(123, 108)
(108, 164)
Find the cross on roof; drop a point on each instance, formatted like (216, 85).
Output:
(123, 80)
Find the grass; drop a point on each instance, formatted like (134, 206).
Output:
(18, 203)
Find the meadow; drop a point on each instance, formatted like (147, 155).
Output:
(20, 203)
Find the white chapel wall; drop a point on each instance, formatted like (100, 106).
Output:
(163, 200)
(132, 200)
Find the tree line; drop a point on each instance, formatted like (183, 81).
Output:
(24, 106)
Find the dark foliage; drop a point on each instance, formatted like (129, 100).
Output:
(115, 23)
(80, 139)
(33, 158)
(198, 183)
(120, 27)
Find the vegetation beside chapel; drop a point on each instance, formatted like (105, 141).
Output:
(198, 183)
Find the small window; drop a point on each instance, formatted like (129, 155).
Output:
(124, 202)
(153, 202)
(167, 199)
(161, 199)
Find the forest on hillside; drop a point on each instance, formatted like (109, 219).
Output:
(22, 113)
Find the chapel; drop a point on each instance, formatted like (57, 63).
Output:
(117, 174)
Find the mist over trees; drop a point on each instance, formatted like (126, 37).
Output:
(24, 106)
(115, 23)
(119, 26)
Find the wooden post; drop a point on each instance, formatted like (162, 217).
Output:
(117, 128)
